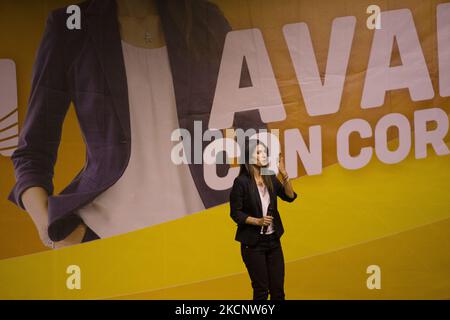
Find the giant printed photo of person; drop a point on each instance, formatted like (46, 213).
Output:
(135, 71)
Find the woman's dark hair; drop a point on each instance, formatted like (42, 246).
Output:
(249, 168)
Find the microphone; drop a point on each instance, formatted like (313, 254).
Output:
(269, 213)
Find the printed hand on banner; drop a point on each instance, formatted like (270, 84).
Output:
(74, 238)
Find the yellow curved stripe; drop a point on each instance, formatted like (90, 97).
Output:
(415, 264)
(338, 209)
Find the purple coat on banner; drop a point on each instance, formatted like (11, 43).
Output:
(86, 67)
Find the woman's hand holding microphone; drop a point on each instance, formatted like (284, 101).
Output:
(260, 222)
(265, 221)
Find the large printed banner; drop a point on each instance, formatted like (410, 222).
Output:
(122, 136)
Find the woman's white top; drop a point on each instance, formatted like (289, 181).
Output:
(265, 201)
(152, 189)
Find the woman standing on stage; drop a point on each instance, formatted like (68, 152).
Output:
(253, 204)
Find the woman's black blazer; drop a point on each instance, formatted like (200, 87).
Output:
(245, 201)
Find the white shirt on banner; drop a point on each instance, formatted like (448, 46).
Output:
(152, 189)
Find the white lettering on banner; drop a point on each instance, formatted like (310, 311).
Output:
(343, 144)
(311, 159)
(422, 138)
(435, 137)
(325, 97)
(321, 98)
(382, 151)
(412, 74)
(443, 36)
(263, 95)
